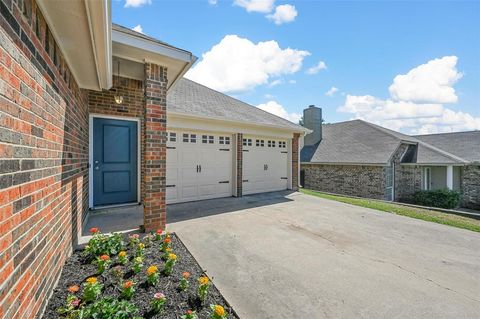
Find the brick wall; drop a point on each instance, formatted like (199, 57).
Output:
(470, 187)
(133, 106)
(239, 149)
(295, 160)
(352, 180)
(155, 146)
(43, 160)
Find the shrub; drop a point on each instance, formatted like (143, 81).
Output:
(109, 308)
(101, 244)
(443, 198)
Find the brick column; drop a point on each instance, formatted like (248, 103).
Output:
(239, 150)
(154, 157)
(295, 161)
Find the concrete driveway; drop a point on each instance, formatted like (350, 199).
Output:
(289, 255)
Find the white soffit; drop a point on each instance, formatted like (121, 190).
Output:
(127, 46)
(82, 30)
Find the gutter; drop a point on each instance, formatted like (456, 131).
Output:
(183, 71)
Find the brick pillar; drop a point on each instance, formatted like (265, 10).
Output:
(295, 160)
(239, 164)
(154, 161)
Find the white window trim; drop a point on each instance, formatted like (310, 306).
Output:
(90, 158)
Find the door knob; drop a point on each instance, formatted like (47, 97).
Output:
(97, 168)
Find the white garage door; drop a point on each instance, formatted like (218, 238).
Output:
(265, 165)
(199, 166)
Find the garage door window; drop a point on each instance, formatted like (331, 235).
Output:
(247, 142)
(210, 139)
(282, 144)
(185, 138)
(260, 143)
(271, 143)
(193, 138)
(172, 137)
(224, 140)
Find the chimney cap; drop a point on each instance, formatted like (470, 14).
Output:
(311, 105)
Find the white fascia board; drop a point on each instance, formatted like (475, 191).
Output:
(240, 123)
(150, 46)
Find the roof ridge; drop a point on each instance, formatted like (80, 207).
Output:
(448, 133)
(245, 103)
(388, 131)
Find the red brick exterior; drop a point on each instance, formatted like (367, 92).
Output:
(296, 137)
(239, 164)
(155, 146)
(43, 160)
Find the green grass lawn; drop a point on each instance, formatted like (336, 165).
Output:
(418, 213)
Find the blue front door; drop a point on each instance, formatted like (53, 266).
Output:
(114, 161)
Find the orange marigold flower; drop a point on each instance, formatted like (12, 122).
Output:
(104, 257)
(91, 280)
(128, 284)
(219, 310)
(151, 270)
(203, 280)
(186, 274)
(167, 240)
(73, 289)
(94, 230)
(189, 312)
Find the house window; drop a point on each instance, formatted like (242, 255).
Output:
(427, 178)
(185, 138)
(173, 137)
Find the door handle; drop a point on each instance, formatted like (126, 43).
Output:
(200, 168)
(197, 168)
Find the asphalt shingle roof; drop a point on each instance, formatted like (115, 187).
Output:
(360, 142)
(189, 97)
(462, 144)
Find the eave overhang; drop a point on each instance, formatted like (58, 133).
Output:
(82, 30)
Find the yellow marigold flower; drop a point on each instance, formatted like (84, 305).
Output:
(172, 256)
(92, 280)
(141, 245)
(168, 249)
(138, 259)
(151, 270)
(122, 254)
(203, 280)
(219, 311)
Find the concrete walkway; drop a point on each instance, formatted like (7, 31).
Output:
(289, 255)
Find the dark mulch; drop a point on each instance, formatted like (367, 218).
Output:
(77, 270)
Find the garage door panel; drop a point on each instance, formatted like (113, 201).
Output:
(198, 165)
(265, 166)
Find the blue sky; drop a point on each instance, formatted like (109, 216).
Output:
(260, 51)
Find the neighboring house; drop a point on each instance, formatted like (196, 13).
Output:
(359, 158)
(85, 123)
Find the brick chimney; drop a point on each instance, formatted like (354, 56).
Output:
(312, 119)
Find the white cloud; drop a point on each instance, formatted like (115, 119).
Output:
(136, 3)
(431, 82)
(278, 110)
(138, 28)
(408, 110)
(237, 64)
(275, 83)
(332, 91)
(317, 68)
(212, 2)
(264, 6)
(283, 14)
(269, 96)
(292, 81)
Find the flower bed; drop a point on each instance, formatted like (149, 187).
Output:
(150, 277)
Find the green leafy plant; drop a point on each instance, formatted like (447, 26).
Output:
(134, 240)
(101, 244)
(168, 267)
(137, 264)
(190, 315)
(118, 273)
(71, 304)
(158, 235)
(183, 285)
(218, 312)
(128, 289)
(443, 198)
(158, 302)
(109, 308)
(166, 243)
(91, 289)
(102, 263)
(152, 275)
(140, 251)
(203, 286)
